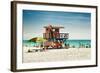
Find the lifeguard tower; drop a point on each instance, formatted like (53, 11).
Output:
(52, 33)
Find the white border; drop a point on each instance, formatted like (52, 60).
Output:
(21, 65)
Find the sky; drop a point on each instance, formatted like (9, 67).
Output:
(77, 24)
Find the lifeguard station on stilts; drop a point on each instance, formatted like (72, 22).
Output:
(54, 38)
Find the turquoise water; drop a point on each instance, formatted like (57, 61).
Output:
(72, 43)
(78, 43)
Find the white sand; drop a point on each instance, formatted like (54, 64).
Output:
(56, 55)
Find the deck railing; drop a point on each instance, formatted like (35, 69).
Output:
(57, 35)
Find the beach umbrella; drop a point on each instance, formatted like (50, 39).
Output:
(40, 40)
(37, 39)
(33, 39)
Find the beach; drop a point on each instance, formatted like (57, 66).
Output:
(69, 54)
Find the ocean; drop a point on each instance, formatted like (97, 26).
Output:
(79, 43)
(71, 43)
